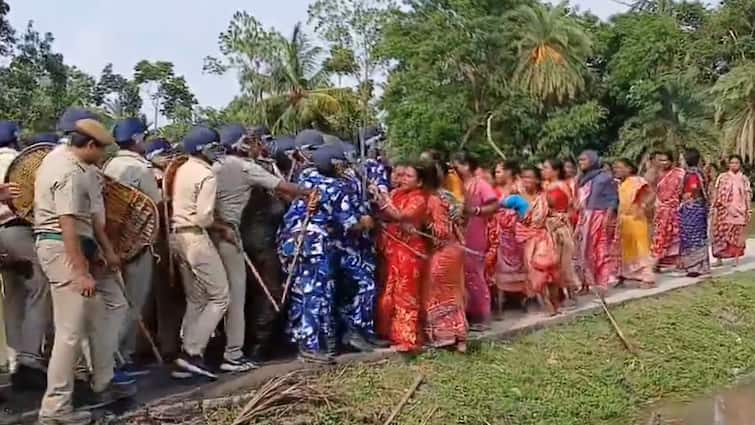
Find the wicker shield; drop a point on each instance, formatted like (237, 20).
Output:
(169, 176)
(22, 171)
(132, 221)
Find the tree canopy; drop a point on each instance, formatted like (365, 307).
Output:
(522, 79)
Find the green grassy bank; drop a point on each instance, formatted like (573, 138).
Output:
(690, 342)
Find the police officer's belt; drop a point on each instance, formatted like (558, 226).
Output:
(88, 246)
(190, 229)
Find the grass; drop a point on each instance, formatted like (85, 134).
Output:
(690, 342)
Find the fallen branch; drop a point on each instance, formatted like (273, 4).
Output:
(407, 396)
(615, 325)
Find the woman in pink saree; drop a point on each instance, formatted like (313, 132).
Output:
(732, 212)
(504, 264)
(668, 197)
(596, 256)
(480, 202)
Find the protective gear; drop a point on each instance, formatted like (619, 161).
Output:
(327, 157)
(67, 121)
(203, 141)
(9, 132)
(232, 137)
(156, 148)
(308, 139)
(129, 131)
(45, 138)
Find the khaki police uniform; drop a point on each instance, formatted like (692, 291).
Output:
(202, 272)
(28, 310)
(65, 186)
(131, 169)
(236, 177)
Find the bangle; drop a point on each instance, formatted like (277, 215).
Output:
(477, 210)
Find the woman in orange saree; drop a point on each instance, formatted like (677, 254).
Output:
(404, 254)
(541, 252)
(732, 212)
(445, 320)
(668, 196)
(504, 264)
(635, 198)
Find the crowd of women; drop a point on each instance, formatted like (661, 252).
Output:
(545, 234)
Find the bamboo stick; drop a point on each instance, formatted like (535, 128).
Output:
(407, 396)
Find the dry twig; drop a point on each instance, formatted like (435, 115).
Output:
(407, 396)
(279, 393)
(615, 325)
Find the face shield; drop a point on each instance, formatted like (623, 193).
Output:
(212, 151)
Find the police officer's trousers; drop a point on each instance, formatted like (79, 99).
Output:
(235, 326)
(137, 275)
(28, 309)
(98, 318)
(206, 287)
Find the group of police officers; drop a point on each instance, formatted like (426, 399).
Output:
(225, 218)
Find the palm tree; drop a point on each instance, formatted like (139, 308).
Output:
(298, 75)
(735, 109)
(553, 51)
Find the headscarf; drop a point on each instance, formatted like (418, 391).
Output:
(604, 194)
(596, 167)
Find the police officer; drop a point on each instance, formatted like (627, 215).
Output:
(78, 260)
(130, 168)
(28, 311)
(202, 273)
(237, 175)
(166, 305)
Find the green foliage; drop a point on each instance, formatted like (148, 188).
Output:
(735, 108)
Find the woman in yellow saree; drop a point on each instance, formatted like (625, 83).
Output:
(634, 224)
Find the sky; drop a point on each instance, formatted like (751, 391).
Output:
(93, 33)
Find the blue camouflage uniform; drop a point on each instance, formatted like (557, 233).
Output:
(357, 259)
(311, 319)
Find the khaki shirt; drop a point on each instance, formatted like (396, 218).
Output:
(236, 178)
(133, 170)
(194, 191)
(67, 186)
(7, 155)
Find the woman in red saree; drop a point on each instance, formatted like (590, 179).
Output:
(404, 254)
(541, 251)
(504, 264)
(561, 202)
(445, 320)
(480, 202)
(596, 243)
(668, 197)
(732, 212)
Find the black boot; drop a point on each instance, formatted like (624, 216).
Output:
(315, 357)
(28, 379)
(357, 342)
